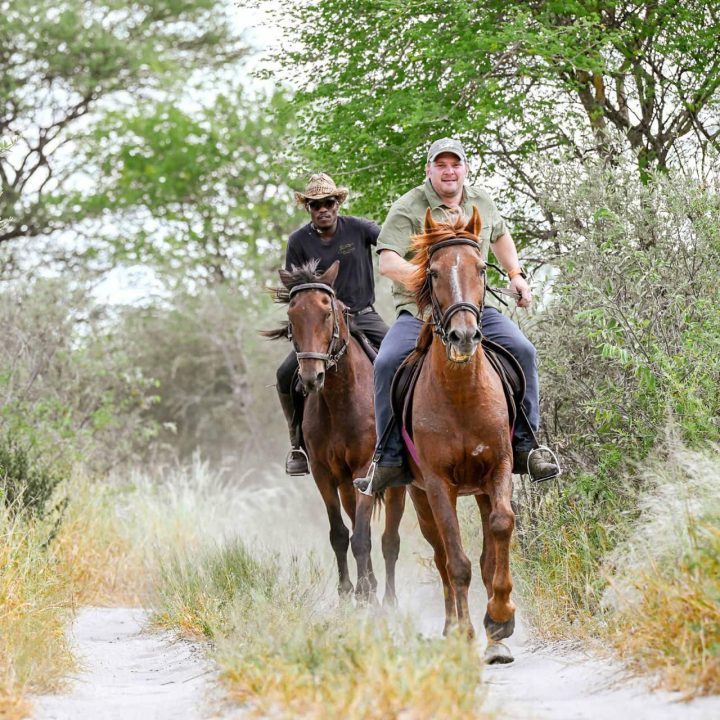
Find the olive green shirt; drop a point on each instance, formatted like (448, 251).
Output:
(406, 217)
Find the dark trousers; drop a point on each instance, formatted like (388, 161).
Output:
(399, 343)
(370, 323)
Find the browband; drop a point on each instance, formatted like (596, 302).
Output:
(312, 286)
(452, 241)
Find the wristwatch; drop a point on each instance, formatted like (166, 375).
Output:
(515, 272)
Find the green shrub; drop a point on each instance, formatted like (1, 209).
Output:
(25, 482)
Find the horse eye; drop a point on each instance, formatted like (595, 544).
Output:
(433, 274)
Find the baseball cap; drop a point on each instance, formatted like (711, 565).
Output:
(446, 145)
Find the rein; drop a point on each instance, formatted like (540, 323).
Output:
(333, 355)
(441, 319)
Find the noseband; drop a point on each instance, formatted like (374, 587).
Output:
(441, 319)
(333, 355)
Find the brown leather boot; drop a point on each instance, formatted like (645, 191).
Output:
(296, 462)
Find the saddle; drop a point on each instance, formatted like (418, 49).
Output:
(501, 360)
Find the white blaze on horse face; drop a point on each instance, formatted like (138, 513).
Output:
(455, 280)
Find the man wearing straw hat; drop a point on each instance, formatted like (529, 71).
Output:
(326, 238)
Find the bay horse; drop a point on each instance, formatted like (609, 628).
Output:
(461, 428)
(339, 422)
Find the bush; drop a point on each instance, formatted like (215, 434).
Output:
(69, 391)
(25, 483)
(629, 336)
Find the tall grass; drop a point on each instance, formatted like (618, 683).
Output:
(638, 569)
(34, 607)
(284, 647)
(664, 592)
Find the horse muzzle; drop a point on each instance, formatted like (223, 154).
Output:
(313, 381)
(462, 344)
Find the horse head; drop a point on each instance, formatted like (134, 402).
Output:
(314, 321)
(449, 282)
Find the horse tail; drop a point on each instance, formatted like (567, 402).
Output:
(378, 503)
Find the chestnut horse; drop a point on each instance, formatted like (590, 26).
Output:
(460, 428)
(339, 422)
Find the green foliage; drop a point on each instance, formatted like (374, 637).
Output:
(69, 393)
(212, 372)
(25, 483)
(516, 81)
(198, 194)
(630, 334)
(64, 62)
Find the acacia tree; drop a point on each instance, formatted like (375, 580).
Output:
(513, 79)
(197, 194)
(62, 62)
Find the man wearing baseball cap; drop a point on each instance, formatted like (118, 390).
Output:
(326, 238)
(445, 193)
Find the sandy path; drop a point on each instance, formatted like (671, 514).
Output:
(128, 673)
(558, 681)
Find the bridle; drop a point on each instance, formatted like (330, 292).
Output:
(333, 354)
(441, 319)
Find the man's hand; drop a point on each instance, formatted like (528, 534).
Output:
(520, 286)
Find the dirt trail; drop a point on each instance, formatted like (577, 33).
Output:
(557, 681)
(127, 673)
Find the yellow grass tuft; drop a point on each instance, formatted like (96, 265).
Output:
(34, 606)
(673, 624)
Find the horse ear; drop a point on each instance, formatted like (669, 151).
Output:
(285, 277)
(430, 224)
(330, 275)
(475, 225)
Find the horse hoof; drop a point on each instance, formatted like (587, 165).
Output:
(498, 630)
(497, 653)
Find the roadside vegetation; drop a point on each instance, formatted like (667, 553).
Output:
(631, 390)
(284, 646)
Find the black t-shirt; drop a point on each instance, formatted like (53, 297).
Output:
(355, 284)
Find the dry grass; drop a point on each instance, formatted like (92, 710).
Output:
(285, 648)
(34, 607)
(665, 585)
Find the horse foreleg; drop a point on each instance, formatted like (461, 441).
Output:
(339, 534)
(362, 545)
(394, 509)
(500, 617)
(443, 501)
(430, 532)
(487, 557)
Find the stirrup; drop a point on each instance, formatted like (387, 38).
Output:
(292, 456)
(553, 457)
(365, 484)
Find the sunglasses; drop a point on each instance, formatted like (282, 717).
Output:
(328, 203)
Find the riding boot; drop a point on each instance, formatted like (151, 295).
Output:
(540, 463)
(296, 462)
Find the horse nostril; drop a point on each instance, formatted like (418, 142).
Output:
(477, 335)
(320, 379)
(455, 336)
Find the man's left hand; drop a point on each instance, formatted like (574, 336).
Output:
(520, 286)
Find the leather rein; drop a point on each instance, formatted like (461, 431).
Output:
(333, 354)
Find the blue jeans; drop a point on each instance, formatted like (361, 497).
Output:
(399, 343)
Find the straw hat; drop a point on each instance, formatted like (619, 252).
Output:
(321, 186)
